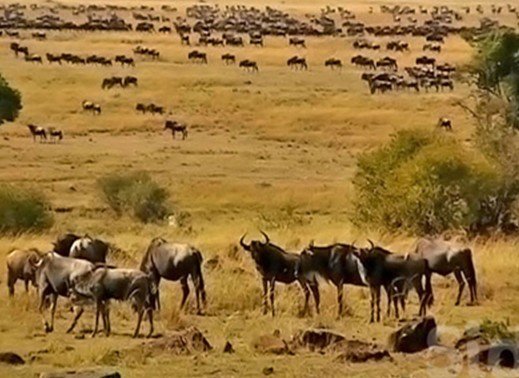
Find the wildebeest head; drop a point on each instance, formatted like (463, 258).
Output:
(256, 246)
(64, 243)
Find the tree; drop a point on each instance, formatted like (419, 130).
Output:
(10, 102)
(493, 74)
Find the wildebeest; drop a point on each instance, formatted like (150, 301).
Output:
(63, 244)
(445, 123)
(87, 248)
(104, 284)
(275, 265)
(17, 49)
(333, 63)
(229, 58)
(122, 59)
(444, 259)
(197, 56)
(249, 65)
(173, 262)
(110, 82)
(91, 106)
(37, 131)
(295, 62)
(55, 135)
(149, 108)
(21, 265)
(34, 58)
(54, 277)
(53, 58)
(336, 263)
(385, 269)
(130, 80)
(176, 127)
(295, 41)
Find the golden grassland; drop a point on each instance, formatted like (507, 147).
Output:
(274, 151)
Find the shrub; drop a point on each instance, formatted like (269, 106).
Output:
(10, 102)
(422, 183)
(23, 210)
(135, 193)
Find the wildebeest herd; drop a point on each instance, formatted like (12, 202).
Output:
(234, 26)
(77, 268)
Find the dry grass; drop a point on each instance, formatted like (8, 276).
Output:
(275, 154)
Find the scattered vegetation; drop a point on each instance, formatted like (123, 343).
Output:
(423, 183)
(23, 211)
(136, 194)
(10, 102)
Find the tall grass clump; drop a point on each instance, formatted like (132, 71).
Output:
(23, 210)
(423, 183)
(135, 194)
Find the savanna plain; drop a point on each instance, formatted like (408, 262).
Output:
(273, 151)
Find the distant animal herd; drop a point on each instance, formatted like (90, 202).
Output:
(77, 269)
(228, 26)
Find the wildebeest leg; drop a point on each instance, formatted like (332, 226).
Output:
(54, 301)
(26, 282)
(314, 286)
(99, 309)
(78, 312)
(265, 294)
(10, 282)
(108, 328)
(185, 291)
(339, 298)
(306, 292)
(461, 285)
(150, 319)
(377, 293)
(372, 303)
(140, 312)
(272, 288)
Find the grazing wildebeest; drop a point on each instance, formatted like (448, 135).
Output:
(385, 269)
(229, 58)
(165, 29)
(91, 106)
(336, 263)
(445, 123)
(333, 63)
(55, 135)
(86, 248)
(249, 65)
(104, 284)
(184, 40)
(110, 82)
(55, 275)
(275, 265)
(445, 258)
(21, 265)
(295, 62)
(295, 41)
(176, 127)
(63, 244)
(130, 80)
(34, 58)
(197, 56)
(122, 59)
(425, 61)
(37, 131)
(173, 262)
(53, 58)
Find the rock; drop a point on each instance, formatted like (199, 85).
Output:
(473, 336)
(271, 344)
(504, 354)
(11, 358)
(268, 370)
(87, 373)
(414, 336)
(316, 339)
(228, 348)
(184, 342)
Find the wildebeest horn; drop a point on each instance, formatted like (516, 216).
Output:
(267, 240)
(371, 244)
(242, 243)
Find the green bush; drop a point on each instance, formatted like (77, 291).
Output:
(23, 210)
(135, 193)
(422, 183)
(10, 102)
